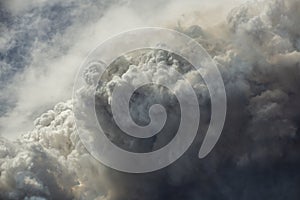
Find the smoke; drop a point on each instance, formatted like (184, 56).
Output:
(257, 51)
(50, 162)
(43, 43)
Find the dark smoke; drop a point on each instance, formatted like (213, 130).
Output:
(257, 157)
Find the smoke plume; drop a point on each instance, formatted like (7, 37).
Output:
(257, 50)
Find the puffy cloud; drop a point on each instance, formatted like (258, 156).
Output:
(257, 52)
(44, 42)
(50, 162)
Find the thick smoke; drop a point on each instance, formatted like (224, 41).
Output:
(258, 53)
(49, 162)
(43, 42)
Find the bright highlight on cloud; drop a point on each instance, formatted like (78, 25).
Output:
(257, 51)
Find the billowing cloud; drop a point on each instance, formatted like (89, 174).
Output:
(257, 52)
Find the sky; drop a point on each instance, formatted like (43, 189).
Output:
(43, 44)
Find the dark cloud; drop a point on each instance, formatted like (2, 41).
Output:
(257, 156)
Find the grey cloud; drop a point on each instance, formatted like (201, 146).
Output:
(257, 51)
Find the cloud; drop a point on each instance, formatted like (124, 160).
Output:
(44, 43)
(257, 52)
